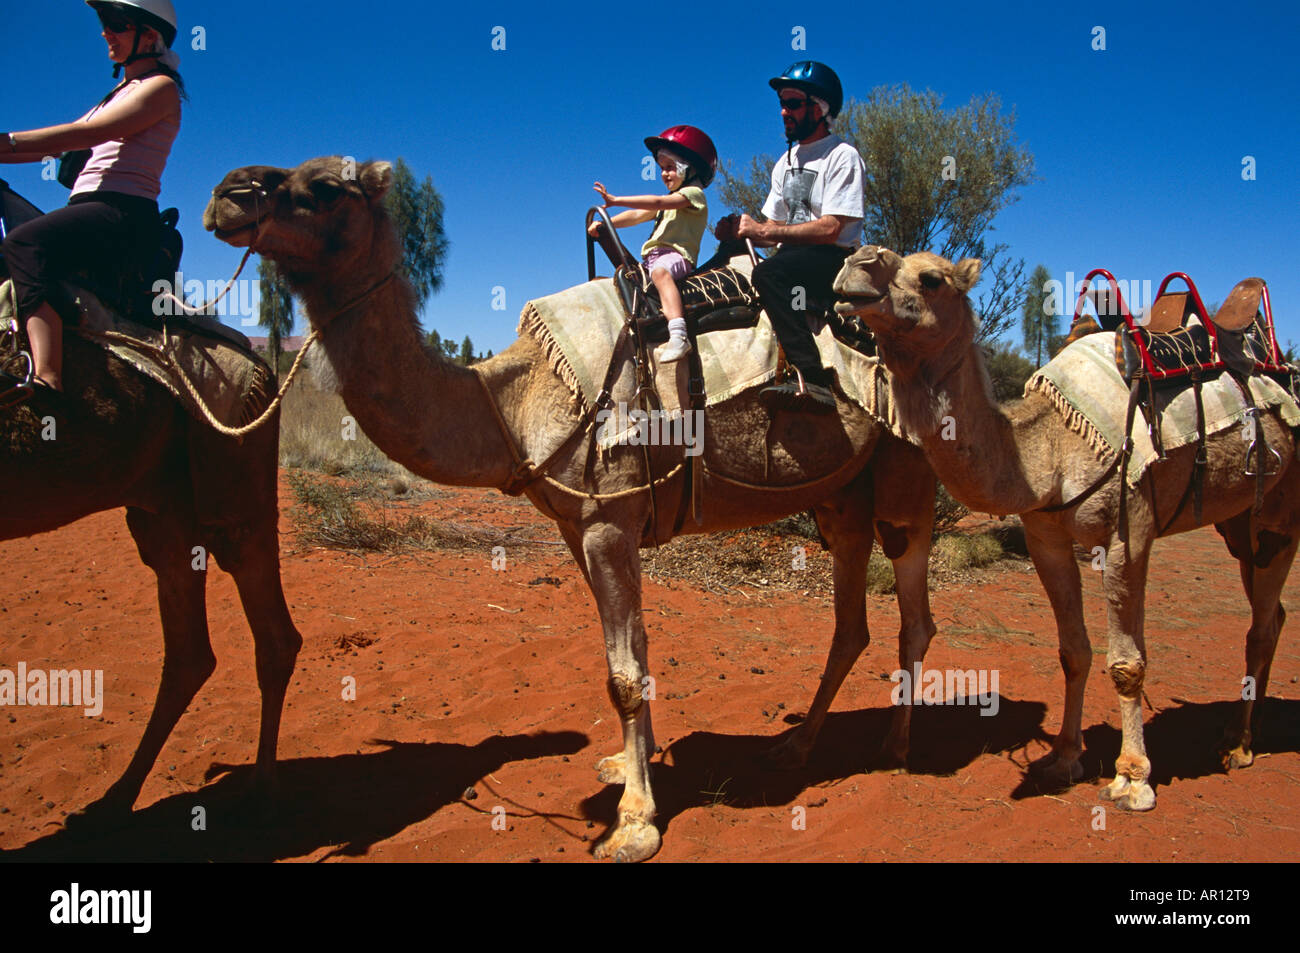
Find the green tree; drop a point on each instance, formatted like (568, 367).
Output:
(466, 352)
(1040, 324)
(936, 179)
(416, 209)
(275, 310)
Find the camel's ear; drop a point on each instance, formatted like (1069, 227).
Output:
(965, 274)
(376, 179)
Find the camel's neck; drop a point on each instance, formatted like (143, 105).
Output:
(981, 453)
(428, 414)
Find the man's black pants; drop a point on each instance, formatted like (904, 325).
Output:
(799, 275)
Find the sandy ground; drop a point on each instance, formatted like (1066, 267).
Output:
(481, 692)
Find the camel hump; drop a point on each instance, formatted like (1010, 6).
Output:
(1241, 306)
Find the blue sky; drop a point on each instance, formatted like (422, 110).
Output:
(1139, 147)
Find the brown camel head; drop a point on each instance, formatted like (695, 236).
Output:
(916, 305)
(324, 218)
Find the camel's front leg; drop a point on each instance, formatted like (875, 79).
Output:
(614, 568)
(1124, 579)
(1052, 550)
(845, 522)
(916, 625)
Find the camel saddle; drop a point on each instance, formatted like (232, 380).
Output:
(231, 379)
(1178, 345)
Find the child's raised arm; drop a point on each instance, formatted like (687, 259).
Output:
(648, 203)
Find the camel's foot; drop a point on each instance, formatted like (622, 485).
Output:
(1056, 770)
(1238, 757)
(1129, 795)
(788, 755)
(612, 770)
(892, 756)
(631, 841)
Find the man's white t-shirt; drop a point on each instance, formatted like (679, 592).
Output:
(825, 179)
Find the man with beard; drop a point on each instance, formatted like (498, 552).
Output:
(814, 213)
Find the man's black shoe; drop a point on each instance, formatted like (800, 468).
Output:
(811, 398)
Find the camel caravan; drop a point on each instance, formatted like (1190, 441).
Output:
(850, 411)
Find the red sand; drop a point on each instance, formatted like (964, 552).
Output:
(470, 680)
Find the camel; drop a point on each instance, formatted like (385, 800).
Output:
(326, 229)
(121, 439)
(1023, 459)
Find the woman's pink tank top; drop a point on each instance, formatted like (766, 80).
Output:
(132, 166)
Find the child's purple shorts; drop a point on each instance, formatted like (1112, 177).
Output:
(672, 261)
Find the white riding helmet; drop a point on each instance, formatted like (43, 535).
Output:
(158, 14)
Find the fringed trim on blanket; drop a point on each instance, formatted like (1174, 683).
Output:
(531, 323)
(1074, 421)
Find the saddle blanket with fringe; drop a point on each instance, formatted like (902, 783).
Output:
(219, 361)
(578, 328)
(1084, 384)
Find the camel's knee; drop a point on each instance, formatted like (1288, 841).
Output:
(626, 693)
(1127, 674)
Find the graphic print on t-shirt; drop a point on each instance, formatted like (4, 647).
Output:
(796, 191)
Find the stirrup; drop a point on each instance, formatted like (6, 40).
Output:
(22, 389)
(1252, 451)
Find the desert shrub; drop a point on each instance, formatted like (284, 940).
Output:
(313, 435)
(957, 552)
(947, 511)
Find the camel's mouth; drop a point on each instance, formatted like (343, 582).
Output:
(239, 237)
(856, 303)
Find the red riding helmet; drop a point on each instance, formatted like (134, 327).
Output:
(695, 148)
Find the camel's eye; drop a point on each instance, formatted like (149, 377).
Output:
(931, 279)
(326, 190)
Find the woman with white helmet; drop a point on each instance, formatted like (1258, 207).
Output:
(111, 221)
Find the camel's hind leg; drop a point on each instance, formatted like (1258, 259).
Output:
(845, 522)
(165, 542)
(251, 555)
(1263, 585)
(614, 567)
(1124, 579)
(1052, 551)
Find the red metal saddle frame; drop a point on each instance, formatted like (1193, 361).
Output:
(1155, 371)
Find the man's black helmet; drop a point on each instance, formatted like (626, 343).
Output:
(816, 79)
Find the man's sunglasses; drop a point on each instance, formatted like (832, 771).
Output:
(115, 22)
(793, 104)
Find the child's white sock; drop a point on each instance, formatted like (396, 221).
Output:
(677, 328)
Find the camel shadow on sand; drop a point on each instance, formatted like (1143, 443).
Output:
(1182, 741)
(708, 768)
(349, 802)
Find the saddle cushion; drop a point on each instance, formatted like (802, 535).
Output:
(722, 299)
